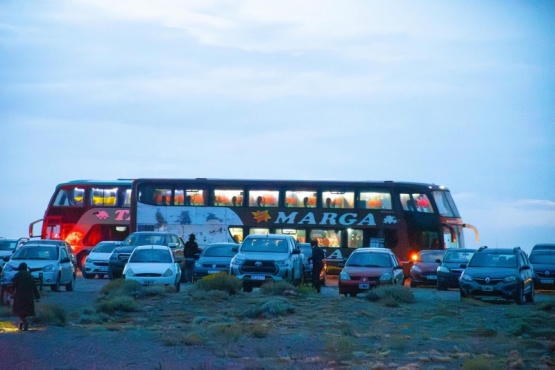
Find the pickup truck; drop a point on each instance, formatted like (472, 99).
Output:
(263, 258)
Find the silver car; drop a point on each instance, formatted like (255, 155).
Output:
(49, 264)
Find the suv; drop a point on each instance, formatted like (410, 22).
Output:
(271, 257)
(543, 263)
(121, 254)
(498, 273)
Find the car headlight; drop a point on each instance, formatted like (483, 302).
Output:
(416, 268)
(8, 267)
(168, 273)
(282, 263)
(237, 261)
(49, 268)
(198, 265)
(113, 257)
(442, 269)
(129, 273)
(386, 277)
(344, 276)
(466, 278)
(510, 279)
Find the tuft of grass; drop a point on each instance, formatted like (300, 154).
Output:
(226, 334)
(278, 288)
(221, 282)
(259, 330)
(482, 363)
(391, 296)
(49, 313)
(121, 287)
(111, 305)
(340, 347)
(271, 308)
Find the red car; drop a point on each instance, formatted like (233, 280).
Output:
(424, 268)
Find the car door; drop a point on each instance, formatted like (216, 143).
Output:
(66, 266)
(527, 273)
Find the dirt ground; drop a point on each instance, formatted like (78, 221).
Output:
(187, 330)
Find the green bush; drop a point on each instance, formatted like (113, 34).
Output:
(277, 288)
(122, 287)
(271, 308)
(49, 313)
(220, 281)
(110, 305)
(391, 296)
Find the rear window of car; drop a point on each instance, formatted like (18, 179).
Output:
(369, 260)
(151, 256)
(36, 253)
(218, 251)
(264, 245)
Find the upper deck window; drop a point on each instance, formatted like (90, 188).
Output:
(104, 197)
(263, 198)
(70, 197)
(228, 198)
(374, 200)
(303, 199)
(338, 199)
(445, 204)
(416, 202)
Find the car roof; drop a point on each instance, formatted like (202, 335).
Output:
(543, 246)
(498, 250)
(269, 236)
(40, 245)
(372, 250)
(152, 233)
(221, 245)
(153, 246)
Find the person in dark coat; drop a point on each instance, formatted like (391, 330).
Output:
(317, 258)
(25, 294)
(190, 251)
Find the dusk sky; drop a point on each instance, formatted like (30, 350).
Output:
(457, 93)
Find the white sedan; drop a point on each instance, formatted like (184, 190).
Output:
(153, 264)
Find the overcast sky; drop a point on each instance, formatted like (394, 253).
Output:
(457, 93)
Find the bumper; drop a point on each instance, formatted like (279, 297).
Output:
(93, 268)
(153, 280)
(356, 286)
(200, 273)
(424, 279)
(501, 291)
(543, 283)
(448, 280)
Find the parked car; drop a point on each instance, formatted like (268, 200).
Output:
(50, 265)
(62, 243)
(367, 268)
(543, 264)
(214, 258)
(153, 264)
(120, 255)
(8, 247)
(424, 267)
(498, 274)
(451, 267)
(306, 250)
(543, 246)
(96, 263)
(263, 258)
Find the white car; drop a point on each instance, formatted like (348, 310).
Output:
(97, 261)
(153, 264)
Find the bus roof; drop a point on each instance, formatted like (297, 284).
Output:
(98, 182)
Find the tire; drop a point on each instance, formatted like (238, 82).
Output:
(413, 284)
(71, 285)
(56, 286)
(81, 260)
(531, 296)
(519, 299)
(441, 287)
(324, 280)
(87, 276)
(462, 294)
(178, 286)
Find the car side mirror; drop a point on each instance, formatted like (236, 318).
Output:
(65, 260)
(235, 249)
(462, 265)
(438, 261)
(172, 245)
(7, 258)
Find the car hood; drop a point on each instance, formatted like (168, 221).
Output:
(155, 268)
(263, 256)
(495, 272)
(427, 266)
(125, 249)
(454, 265)
(215, 260)
(367, 271)
(96, 256)
(32, 264)
(543, 266)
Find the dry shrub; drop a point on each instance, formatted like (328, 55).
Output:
(122, 287)
(110, 305)
(391, 296)
(278, 288)
(220, 281)
(226, 334)
(271, 308)
(482, 363)
(340, 347)
(259, 330)
(49, 313)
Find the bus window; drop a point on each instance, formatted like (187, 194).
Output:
(422, 203)
(162, 197)
(104, 197)
(354, 238)
(127, 198)
(228, 198)
(179, 198)
(194, 197)
(236, 234)
(263, 198)
(374, 200)
(444, 205)
(326, 238)
(69, 197)
(335, 199)
(299, 234)
(303, 199)
(259, 230)
(407, 202)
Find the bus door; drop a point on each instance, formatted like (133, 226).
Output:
(52, 228)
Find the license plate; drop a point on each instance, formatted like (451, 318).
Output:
(431, 277)
(147, 282)
(258, 277)
(487, 289)
(364, 286)
(213, 272)
(547, 281)
(103, 269)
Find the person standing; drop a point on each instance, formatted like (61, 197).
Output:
(25, 294)
(191, 249)
(317, 258)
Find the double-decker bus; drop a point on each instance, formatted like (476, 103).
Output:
(342, 215)
(85, 212)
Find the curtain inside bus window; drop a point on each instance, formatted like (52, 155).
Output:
(104, 197)
(228, 198)
(445, 204)
(236, 234)
(338, 199)
(194, 197)
(263, 198)
(300, 198)
(422, 203)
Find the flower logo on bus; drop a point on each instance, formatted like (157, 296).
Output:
(261, 216)
(390, 220)
(103, 215)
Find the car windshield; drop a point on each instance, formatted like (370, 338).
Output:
(151, 256)
(7, 244)
(431, 256)
(546, 258)
(493, 260)
(264, 245)
(457, 256)
(104, 247)
(145, 239)
(36, 253)
(218, 251)
(369, 260)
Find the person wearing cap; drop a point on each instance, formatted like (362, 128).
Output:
(190, 251)
(317, 260)
(25, 294)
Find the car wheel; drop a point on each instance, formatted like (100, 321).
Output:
(178, 286)
(87, 276)
(441, 287)
(56, 286)
(519, 299)
(531, 296)
(71, 284)
(324, 280)
(463, 294)
(413, 284)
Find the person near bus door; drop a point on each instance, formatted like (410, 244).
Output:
(191, 249)
(25, 294)
(317, 259)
